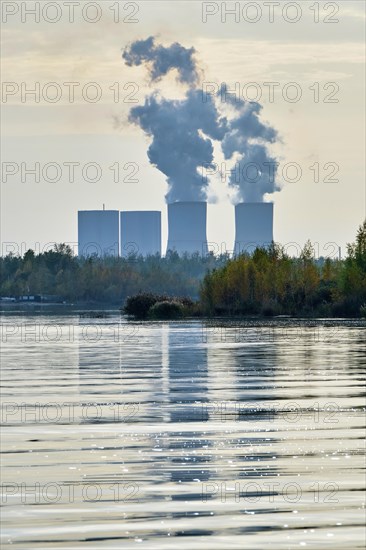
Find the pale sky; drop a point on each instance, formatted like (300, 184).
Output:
(319, 57)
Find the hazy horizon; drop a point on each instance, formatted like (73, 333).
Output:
(325, 61)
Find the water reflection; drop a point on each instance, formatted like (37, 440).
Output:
(188, 376)
(219, 436)
(188, 458)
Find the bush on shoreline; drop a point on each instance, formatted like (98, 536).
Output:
(166, 310)
(156, 306)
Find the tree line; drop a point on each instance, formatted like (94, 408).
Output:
(267, 282)
(107, 280)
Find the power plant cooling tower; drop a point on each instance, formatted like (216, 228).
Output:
(140, 233)
(187, 227)
(98, 233)
(253, 226)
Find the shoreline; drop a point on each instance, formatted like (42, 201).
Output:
(83, 309)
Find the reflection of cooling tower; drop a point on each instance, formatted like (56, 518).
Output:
(140, 233)
(98, 232)
(253, 226)
(187, 227)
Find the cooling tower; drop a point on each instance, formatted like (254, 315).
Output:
(187, 227)
(253, 226)
(140, 233)
(98, 233)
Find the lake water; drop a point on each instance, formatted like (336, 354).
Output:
(182, 434)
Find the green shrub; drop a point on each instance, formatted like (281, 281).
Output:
(167, 310)
(140, 304)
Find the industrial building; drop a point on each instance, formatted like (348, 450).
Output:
(253, 226)
(112, 233)
(98, 233)
(187, 227)
(140, 233)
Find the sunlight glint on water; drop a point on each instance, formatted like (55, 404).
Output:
(182, 434)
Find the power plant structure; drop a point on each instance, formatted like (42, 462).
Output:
(187, 227)
(140, 233)
(253, 226)
(98, 233)
(113, 233)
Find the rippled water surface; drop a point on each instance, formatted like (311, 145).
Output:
(187, 435)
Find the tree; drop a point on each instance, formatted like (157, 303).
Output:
(357, 250)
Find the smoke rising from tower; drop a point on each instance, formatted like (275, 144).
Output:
(160, 60)
(248, 136)
(183, 131)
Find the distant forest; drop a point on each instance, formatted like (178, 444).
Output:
(267, 282)
(105, 280)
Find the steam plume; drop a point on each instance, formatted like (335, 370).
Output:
(248, 136)
(183, 131)
(161, 60)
